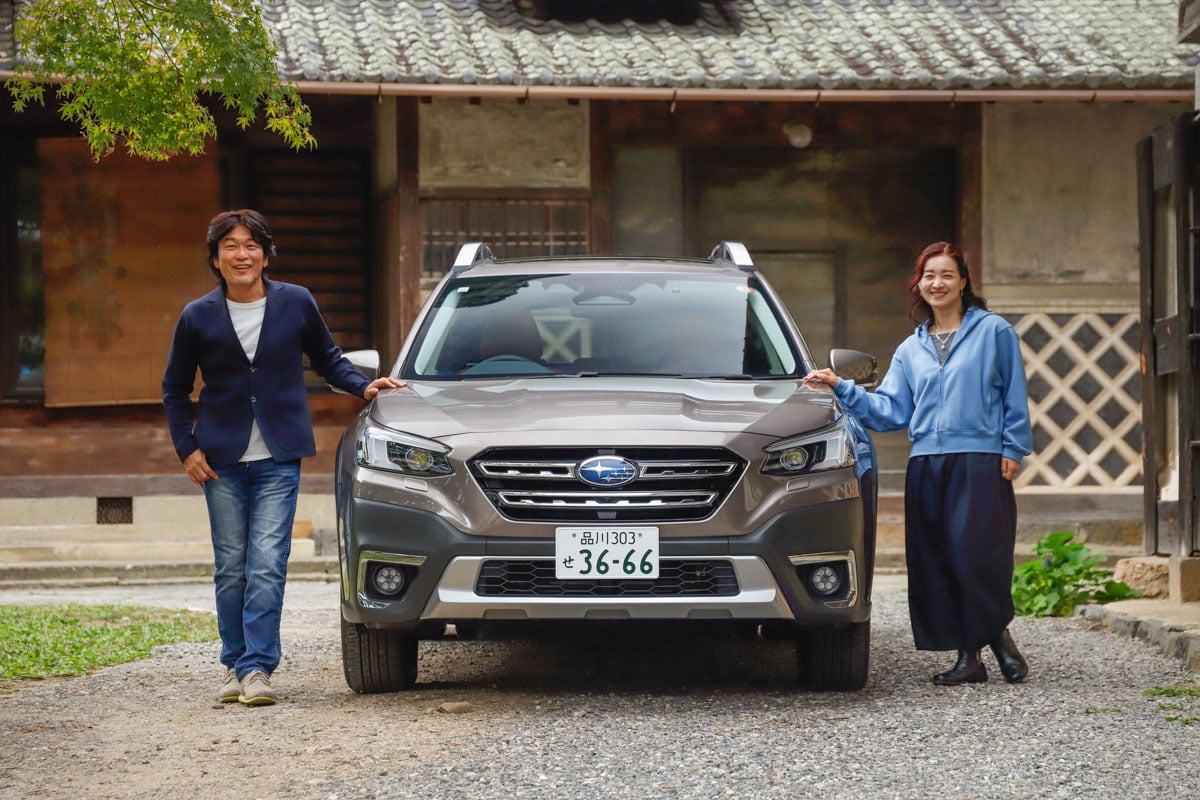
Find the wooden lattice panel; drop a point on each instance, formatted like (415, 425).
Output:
(511, 227)
(1085, 396)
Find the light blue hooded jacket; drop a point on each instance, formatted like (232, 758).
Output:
(974, 403)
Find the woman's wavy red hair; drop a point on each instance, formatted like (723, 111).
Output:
(918, 309)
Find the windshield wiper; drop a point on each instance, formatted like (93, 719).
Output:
(741, 377)
(607, 374)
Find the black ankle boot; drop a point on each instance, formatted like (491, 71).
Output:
(969, 669)
(1012, 663)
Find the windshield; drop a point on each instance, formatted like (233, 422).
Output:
(603, 324)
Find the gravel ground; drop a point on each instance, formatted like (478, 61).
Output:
(600, 718)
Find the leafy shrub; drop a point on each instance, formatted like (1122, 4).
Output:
(1062, 575)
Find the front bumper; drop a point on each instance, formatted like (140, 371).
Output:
(442, 565)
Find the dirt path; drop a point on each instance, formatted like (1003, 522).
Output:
(149, 729)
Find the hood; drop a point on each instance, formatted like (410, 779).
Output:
(445, 409)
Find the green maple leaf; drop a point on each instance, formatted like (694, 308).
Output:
(134, 72)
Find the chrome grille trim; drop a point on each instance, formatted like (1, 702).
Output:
(669, 470)
(669, 484)
(565, 470)
(606, 500)
(528, 469)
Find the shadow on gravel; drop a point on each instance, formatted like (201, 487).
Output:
(661, 661)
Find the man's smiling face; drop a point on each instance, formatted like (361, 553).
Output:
(241, 260)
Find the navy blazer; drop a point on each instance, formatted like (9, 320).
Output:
(236, 390)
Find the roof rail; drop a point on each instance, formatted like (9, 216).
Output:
(471, 254)
(735, 253)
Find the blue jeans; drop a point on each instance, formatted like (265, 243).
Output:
(250, 508)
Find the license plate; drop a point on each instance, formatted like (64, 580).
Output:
(606, 553)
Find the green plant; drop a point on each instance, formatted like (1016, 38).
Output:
(50, 641)
(1062, 575)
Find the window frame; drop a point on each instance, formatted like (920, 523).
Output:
(15, 154)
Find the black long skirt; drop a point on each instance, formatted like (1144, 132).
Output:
(960, 520)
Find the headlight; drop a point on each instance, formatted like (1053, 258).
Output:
(830, 448)
(380, 448)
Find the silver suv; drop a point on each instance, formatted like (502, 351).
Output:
(590, 441)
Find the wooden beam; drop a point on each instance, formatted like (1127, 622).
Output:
(600, 145)
(970, 193)
(408, 213)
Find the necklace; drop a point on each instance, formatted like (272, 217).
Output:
(943, 339)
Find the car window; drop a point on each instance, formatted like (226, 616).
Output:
(603, 324)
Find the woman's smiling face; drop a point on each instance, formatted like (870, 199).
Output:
(942, 285)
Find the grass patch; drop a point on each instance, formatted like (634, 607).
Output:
(1172, 691)
(1187, 694)
(53, 641)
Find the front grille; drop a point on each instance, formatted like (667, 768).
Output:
(671, 484)
(535, 578)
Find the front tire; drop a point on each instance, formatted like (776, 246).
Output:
(835, 660)
(378, 660)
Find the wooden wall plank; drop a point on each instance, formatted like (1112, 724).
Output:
(123, 251)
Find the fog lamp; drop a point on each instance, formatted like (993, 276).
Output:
(388, 580)
(825, 580)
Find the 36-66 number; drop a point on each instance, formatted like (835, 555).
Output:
(601, 563)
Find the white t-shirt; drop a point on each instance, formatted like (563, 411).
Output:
(247, 321)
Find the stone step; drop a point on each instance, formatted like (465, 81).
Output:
(145, 532)
(107, 573)
(1113, 522)
(22, 544)
(891, 558)
(125, 552)
(11, 535)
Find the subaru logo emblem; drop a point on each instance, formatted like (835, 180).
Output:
(606, 471)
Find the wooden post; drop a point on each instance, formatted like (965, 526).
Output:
(408, 212)
(600, 206)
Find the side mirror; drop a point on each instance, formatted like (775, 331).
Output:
(862, 368)
(365, 361)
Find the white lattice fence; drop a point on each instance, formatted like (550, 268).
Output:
(1085, 397)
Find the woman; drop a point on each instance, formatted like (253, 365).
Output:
(958, 385)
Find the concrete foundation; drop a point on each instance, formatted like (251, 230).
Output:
(1184, 579)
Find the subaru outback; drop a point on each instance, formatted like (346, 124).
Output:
(591, 441)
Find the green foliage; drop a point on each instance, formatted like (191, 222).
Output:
(1062, 575)
(49, 641)
(134, 71)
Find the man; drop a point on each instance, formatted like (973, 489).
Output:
(244, 440)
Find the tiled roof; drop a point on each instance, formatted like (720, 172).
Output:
(768, 44)
(783, 44)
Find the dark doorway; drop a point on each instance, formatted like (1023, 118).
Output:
(836, 232)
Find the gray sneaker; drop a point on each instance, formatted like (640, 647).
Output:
(231, 688)
(256, 690)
